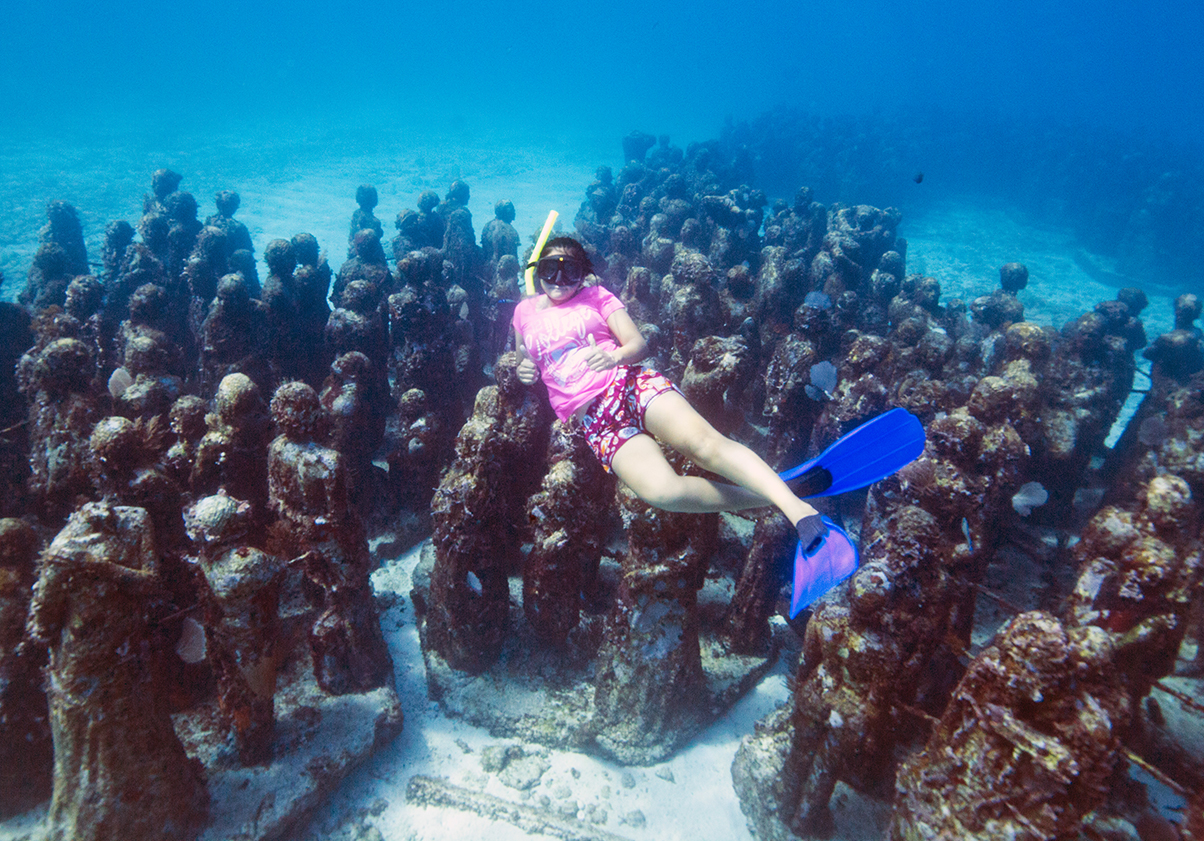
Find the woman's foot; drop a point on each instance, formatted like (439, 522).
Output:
(811, 532)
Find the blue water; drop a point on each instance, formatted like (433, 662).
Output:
(1084, 115)
(1123, 65)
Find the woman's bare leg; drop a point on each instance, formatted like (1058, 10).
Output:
(672, 419)
(641, 465)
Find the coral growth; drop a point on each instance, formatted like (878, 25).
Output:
(307, 491)
(1028, 741)
(97, 605)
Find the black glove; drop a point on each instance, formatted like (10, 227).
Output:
(811, 532)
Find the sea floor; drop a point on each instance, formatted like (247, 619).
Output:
(307, 183)
(578, 796)
(688, 797)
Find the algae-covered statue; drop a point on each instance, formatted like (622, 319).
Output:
(308, 492)
(25, 747)
(241, 617)
(119, 768)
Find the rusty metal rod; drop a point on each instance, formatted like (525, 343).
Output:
(992, 594)
(1182, 697)
(1157, 774)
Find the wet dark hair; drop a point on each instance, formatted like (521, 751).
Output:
(575, 249)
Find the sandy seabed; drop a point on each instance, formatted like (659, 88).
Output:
(308, 184)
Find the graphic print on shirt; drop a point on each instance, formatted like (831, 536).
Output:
(561, 344)
(557, 338)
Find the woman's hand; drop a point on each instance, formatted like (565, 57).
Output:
(526, 370)
(598, 359)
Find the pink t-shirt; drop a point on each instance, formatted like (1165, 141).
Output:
(557, 339)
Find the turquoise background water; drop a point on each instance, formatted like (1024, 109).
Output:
(1087, 116)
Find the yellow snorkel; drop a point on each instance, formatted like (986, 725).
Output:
(543, 238)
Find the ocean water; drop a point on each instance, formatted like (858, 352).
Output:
(1087, 116)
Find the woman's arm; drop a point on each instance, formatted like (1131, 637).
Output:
(632, 345)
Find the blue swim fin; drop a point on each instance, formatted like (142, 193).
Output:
(872, 451)
(826, 565)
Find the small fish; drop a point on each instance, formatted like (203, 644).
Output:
(191, 648)
(818, 300)
(966, 532)
(474, 583)
(1153, 431)
(119, 381)
(1031, 495)
(918, 177)
(823, 380)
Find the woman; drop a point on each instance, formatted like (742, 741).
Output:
(584, 346)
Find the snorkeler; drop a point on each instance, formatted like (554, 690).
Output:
(581, 342)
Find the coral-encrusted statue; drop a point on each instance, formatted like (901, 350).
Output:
(279, 297)
(61, 256)
(25, 747)
(569, 530)
(238, 238)
(15, 337)
(152, 387)
(366, 263)
(207, 264)
(861, 661)
(789, 413)
(1026, 745)
(63, 406)
(231, 454)
(356, 399)
(420, 324)
(1180, 353)
(232, 336)
(363, 219)
(312, 283)
(308, 492)
(692, 305)
(1137, 575)
(650, 677)
(498, 237)
(423, 446)
(865, 665)
(430, 220)
(746, 626)
(1083, 388)
(120, 770)
(498, 464)
(126, 474)
(357, 324)
(460, 249)
(187, 420)
(718, 376)
(241, 618)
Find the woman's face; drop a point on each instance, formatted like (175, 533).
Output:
(560, 275)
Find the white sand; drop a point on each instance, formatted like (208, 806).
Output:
(695, 802)
(304, 184)
(963, 246)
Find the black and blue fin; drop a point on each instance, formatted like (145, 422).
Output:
(871, 452)
(821, 567)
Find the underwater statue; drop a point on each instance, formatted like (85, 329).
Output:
(307, 491)
(119, 768)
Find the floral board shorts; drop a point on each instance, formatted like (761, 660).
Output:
(618, 413)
